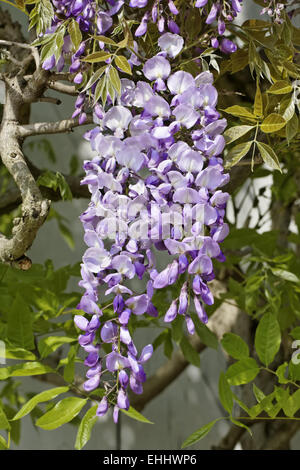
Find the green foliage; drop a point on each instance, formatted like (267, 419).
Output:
(39, 398)
(235, 346)
(85, 428)
(57, 182)
(63, 412)
(242, 371)
(134, 414)
(267, 338)
(199, 434)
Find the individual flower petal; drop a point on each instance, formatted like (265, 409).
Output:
(138, 304)
(172, 44)
(81, 322)
(156, 67)
(122, 400)
(201, 265)
(180, 81)
(146, 353)
(92, 383)
(102, 407)
(171, 313)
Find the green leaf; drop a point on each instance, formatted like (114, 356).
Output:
(19, 325)
(269, 156)
(55, 181)
(258, 102)
(189, 352)
(225, 393)
(259, 395)
(63, 412)
(101, 90)
(241, 425)
(4, 424)
(280, 88)
(63, 187)
(199, 434)
(59, 42)
(273, 123)
(3, 443)
(50, 344)
(242, 372)
(75, 33)
(289, 109)
(39, 398)
(286, 275)
(134, 414)
(69, 369)
(115, 79)
(12, 352)
(235, 346)
(280, 372)
(267, 338)
(237, 153)
(100, 56)
(295, 333)
(106, 40)
(292, 405)
(85, 428)
(24, 370)
(123, 64)
(240, 111)
(236, 132)
(240, 403)
(95, 76)
(292, 127)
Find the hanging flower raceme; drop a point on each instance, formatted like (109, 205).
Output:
(89, 20)
(155, 186)
(162, 12)
(274, 9)
(220, 12)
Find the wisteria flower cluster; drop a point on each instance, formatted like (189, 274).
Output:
(221, 11)
(274, 9)
(155, 186)
(94, 19)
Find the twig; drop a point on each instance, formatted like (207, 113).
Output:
(32, 49)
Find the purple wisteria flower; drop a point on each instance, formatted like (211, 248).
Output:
(150, 191)
(156, 185)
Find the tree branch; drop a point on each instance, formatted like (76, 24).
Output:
(34, 207)
(59, 127)
(231, 439)
(281, 439)
(23, 45)
(62, 88)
